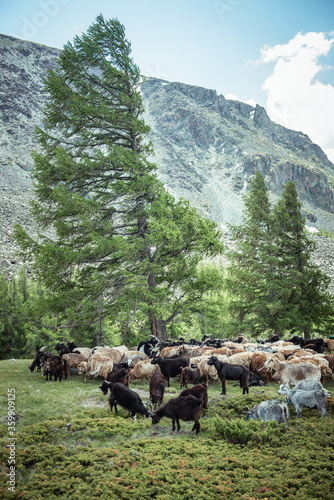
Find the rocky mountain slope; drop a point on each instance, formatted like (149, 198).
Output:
(207, 148)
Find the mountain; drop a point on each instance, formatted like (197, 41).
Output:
(207, 148)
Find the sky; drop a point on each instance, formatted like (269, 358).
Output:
(275, 53)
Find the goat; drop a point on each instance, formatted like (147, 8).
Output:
(128, 399)
(330, 359)
(56, 366)
(189, 374)
(255, 380)
(72, 360)
(231, 372)
(317, 345)
(37, 362)
(185, 408)
(157, 387)
(293, 373)
(305, 398)
(65, 349)
(170, 367)
(121, 375)
(143, 369)
(309, 385)
(200, 391)
(270, 410)
(85, 351)
(151, 348)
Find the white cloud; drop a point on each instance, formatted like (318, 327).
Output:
(295, 97)
(233, 97)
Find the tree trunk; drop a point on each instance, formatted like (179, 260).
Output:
(306, 333)
(158, 328)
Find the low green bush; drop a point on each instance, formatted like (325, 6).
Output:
(103, 455)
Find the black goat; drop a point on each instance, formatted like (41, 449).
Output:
(255, 380)
(37, 362)
(190, 374)
(170, 367)
(186, 408)
(128, 399)
(121, 375)
(231, 372)
(200, 391)
(65, 349)
(317, 345)
(157, 387)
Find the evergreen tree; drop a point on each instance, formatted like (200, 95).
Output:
(274, 284)
(305, 301)
(117, 240)
(253, 263)
(12, 320)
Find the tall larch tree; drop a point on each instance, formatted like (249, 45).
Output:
(102, 246)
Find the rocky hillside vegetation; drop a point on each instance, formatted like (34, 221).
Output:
(207, 149)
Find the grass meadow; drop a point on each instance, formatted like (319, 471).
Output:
(65, 443)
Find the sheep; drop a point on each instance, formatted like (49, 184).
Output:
(157, 387)
(305, 398)
(200, 391)
(189, 374)
(231, 372)
(185, 408)
(128, 399)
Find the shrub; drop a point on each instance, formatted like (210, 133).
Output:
(251, 432)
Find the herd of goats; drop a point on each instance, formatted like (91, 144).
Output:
(303, 364)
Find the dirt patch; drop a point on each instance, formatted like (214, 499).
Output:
(94, 401)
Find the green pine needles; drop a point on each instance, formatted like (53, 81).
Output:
(275, 285)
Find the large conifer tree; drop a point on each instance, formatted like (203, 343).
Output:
(120, 242)
(275, 286)
(253, 263)
(305, 301)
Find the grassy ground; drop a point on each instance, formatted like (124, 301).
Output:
(108, 456)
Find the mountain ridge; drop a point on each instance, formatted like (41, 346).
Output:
(207, 148)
